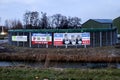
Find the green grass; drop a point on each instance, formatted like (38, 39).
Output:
(53, 74)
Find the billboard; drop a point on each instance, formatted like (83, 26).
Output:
(19, 38)
(41, 38)
(85, 38)
(71, 39)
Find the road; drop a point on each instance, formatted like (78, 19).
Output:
(3, 41)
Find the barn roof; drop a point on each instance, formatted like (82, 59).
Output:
(103, 20)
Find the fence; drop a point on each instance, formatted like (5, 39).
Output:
(98, 37)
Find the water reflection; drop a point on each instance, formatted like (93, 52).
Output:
(16, 63)
(61, 64)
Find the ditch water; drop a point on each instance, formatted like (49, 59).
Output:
(61, 64)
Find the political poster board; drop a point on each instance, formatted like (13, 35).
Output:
(19, 38)
(71, 39)
(85, 38)
(42, 38)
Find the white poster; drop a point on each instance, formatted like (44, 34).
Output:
(19, 38)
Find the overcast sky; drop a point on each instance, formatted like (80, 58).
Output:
(84, 9)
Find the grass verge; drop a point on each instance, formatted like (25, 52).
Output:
(58, 74)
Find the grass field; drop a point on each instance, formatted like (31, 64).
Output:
(58, 74)
(107, 54)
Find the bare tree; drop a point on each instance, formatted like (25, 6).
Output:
(50, 25)
(17, 24)
(58, 20)
(31, 19)
(54, 23)
(34, 18)
(74, 22)
(13, 24)
(44, 21)
(26, 18)
(8, 24)
(64, 23)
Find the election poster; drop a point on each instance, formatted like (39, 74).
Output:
(85, 38)
(19, 38)
(42, 38)
(71, 39)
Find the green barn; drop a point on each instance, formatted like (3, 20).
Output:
(98, 23)
(116, 22)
